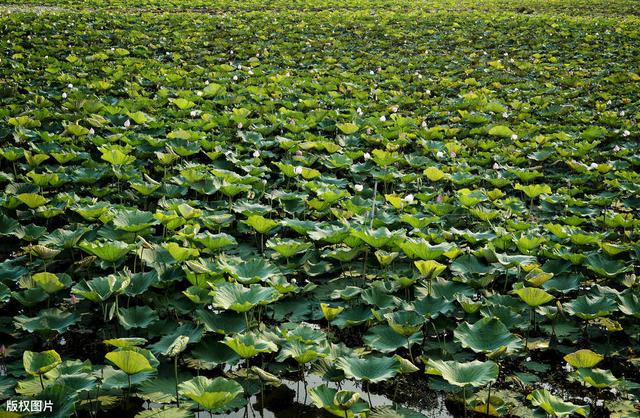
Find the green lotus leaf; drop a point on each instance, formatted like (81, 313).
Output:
(239, 298)
(133, 220)
(33, 200)
(50, 282)
(405, 323)
(501, 131)
(629, 304)
(590, 307)
(429, 269)
(583, 359)
(249, 271)
(261, 224)
(130, 362)
(215, 242)
(533, 296)
(371, 369)
(125, 342)
(288, 247)
(377, 238)
(605, 266)
(533, 190)
(554, 405)
(596, 378)
(330, 312)
(487, 335)
(101, 289)
(434, 173)
(299, 351)
(345, 405)
(137, 317)
(166, 412)
(474, 373)
(211, 394)
(109, 251)
(347, 128)
(47, 321)
(250, 345)
(180, 253)
(37, 364)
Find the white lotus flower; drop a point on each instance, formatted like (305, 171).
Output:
(626, 133)
(593, 165)
(91, 131)
(256, 154)
(394, 109)
(514, 137)
(193, 113)
(70, 85)
(622, 113)
(64, 95)
(424, 124)
(371, 72)
(206, 82)
(366, 156)
(358, 187)
(505, 115)
(408, 198)
(439, 154)
(359, 111)
(63, 341)
(127, 123)
(298, 170)
(240, 125)
(235, 78)
(198, 93)
(496, 166)
(616, 149)
(383, 118)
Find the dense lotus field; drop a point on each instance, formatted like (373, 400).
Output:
(362, 209)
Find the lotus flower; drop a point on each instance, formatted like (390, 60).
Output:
(126, 123)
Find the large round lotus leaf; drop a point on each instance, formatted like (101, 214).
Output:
(487, 335)
(583, 359)
(125, 342)
(629, 304)
(239, 298)
(110, 251)
(370, 369)
(130, 362)
(39, 363)
(590, 307)
(249, 271)
(555, 406)
(343, 405)
(137, 317)
(429, 269)
(384, 339)
(533, 296)
(211, 394)
(377, 238)
(596, 378)
(405, 323)
(249, 345)
(133, 220)
(474, 373)
(288, 247)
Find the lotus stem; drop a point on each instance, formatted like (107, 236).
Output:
(369, 393)
(488, 400)
(41, 381)
(464, 401)
(175, 371)
(409, 348)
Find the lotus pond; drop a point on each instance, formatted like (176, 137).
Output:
(320, 208)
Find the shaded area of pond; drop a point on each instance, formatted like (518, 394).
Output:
(291, 400)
